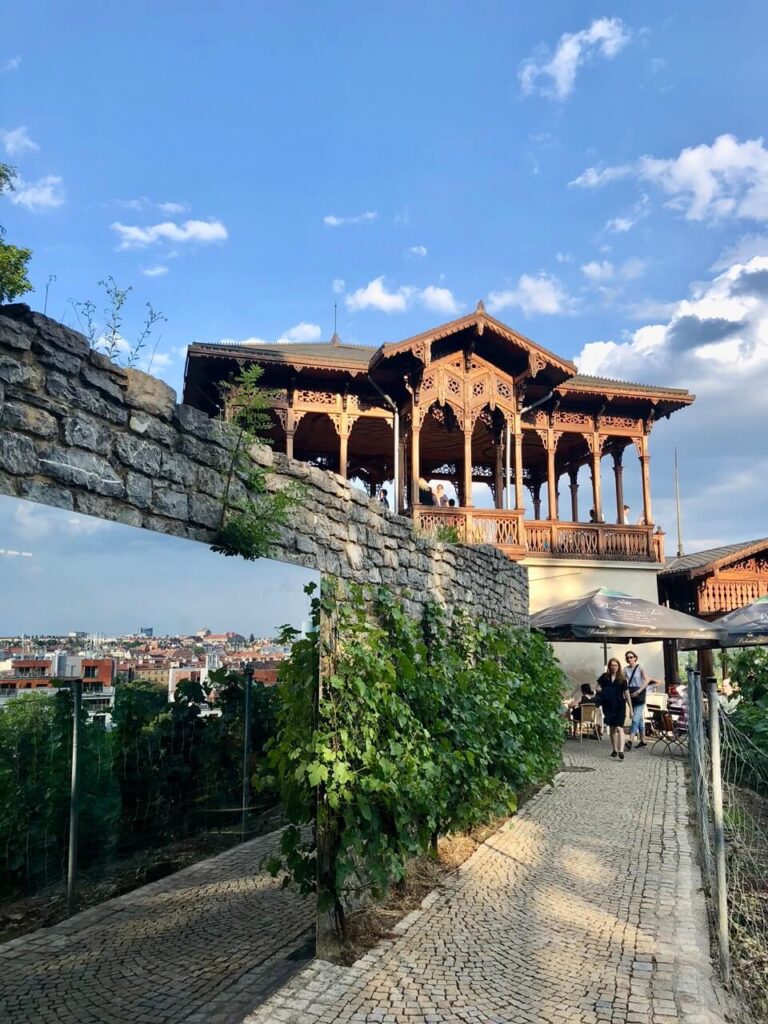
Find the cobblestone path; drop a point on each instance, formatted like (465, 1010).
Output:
(203, 945)
(585, 909)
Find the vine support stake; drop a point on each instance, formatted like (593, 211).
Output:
(246, 751)
(717, 814)
(74, 796)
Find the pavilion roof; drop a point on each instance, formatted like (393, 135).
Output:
(600, 385)
(703, 562)
(333, 354)
(481, 321)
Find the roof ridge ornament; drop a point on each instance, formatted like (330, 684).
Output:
(480, 306)
(335, 340)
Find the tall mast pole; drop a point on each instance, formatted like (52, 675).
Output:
(680, 551)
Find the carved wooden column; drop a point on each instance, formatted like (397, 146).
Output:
(645, 466)
(519, 500)
(573, 475)
(536, 495)
(551, 478)
(415, 467)
(290, 427)
(498, 476)
(468, 465)
(618, 470)
(343, 444)
(596, 444)
(400, 496)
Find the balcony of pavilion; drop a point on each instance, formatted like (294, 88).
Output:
(468, 402)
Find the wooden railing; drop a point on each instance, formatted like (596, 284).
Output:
(517, 537)
(594, 540)
(718, 596)
(501, 527)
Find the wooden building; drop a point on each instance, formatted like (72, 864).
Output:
(717, 581)
(467, 402)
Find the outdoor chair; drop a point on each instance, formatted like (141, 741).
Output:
(591, 718)
(654, 703)
(671, 735)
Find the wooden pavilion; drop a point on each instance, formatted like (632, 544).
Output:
(470, 401)
(714, 582)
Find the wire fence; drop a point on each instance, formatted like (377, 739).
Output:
(166, 781)
(729, 775)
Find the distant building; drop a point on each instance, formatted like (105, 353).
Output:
(146, 631)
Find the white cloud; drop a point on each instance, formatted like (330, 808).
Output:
(17, 141)
(332, 221)
(539, 294)
(595, 177)
(619, 224)
(555, 76)
(599, 271)
(173, 208)
(715, 343)
(141, 203)
(302, 332)
(338, 286)
(202, 231)
(156, 271)
(742, 250)
(439, 300)
(375, 295)
(563, 257)
(34, 521)
(11, 64)
(44, 194)
(417, 250)
(728, 179)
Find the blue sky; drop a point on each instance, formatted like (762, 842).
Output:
(596, 174)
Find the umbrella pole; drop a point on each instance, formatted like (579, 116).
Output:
(605, 652)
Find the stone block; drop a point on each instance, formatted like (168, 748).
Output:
(168, 502)
(104, 381)
(58, 360)
(14, 416)
(149, 394)
(210, 481)
(71, 393)
(138, 489)
(83, 469)
(106, 508)
(208, 454)
(85, 432)
(142, 455)
(14, 334)
(46, 493)
(17, 454)
(144, 425)
(56, 334)
(193, 421)
(178, 468)
(205, 510)
(20, 374)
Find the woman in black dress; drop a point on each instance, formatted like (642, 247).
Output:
(613, 695)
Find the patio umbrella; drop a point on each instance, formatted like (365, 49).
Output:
(746, 626)
(610, 616)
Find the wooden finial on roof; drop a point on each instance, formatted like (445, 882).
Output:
(335, 340)
(480, 307)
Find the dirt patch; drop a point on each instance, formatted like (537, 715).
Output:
(370, 924)
(106, 881)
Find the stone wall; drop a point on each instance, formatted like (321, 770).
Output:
(79, 432)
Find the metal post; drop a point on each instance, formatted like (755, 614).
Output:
(74, 808)
(246, 752)
(717, 815)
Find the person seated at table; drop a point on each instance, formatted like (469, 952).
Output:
(588, 695)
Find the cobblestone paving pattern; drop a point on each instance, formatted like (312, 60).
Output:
(203, 945)
(585, 909)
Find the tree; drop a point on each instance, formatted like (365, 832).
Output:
(13, 259)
